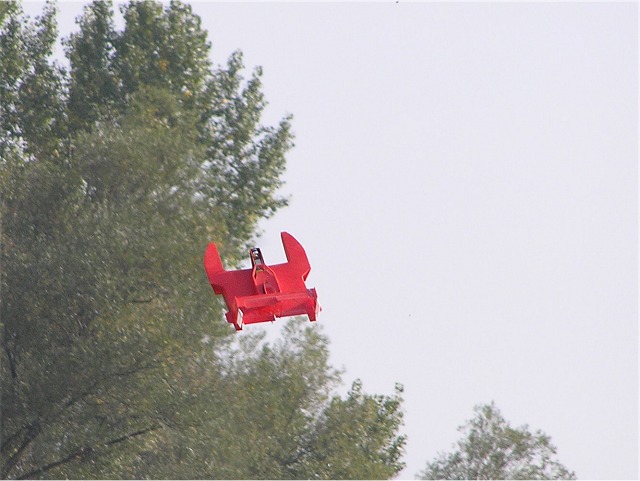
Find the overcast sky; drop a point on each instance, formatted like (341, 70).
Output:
(465, 184)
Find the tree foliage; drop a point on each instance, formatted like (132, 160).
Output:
(115, 359)
(491, 449)
(31, 108)
(165, 48)
(273, 415)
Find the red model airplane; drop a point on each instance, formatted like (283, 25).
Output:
(262, 293)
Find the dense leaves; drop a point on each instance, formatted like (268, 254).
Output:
(116, 361)
(167, 49)
(30, 104)
(492, 449)
(273, 416)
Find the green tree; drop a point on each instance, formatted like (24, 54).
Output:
(163, 47)
(115, 359)
(357, 438)
(101, 251)
(288, 425)
(100, 276)
(166, 48)
(492, 449)
(31, 110)
(94, 86)
(273, 414)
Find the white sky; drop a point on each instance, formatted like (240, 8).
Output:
(465, 184)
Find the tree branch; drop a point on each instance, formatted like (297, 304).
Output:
(32, 432)
(85, 451)
(12, 361)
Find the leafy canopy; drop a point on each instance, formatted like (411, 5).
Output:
(491, 449)
(115, 359)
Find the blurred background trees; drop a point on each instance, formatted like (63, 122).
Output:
(491, 449)
(115, 173)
